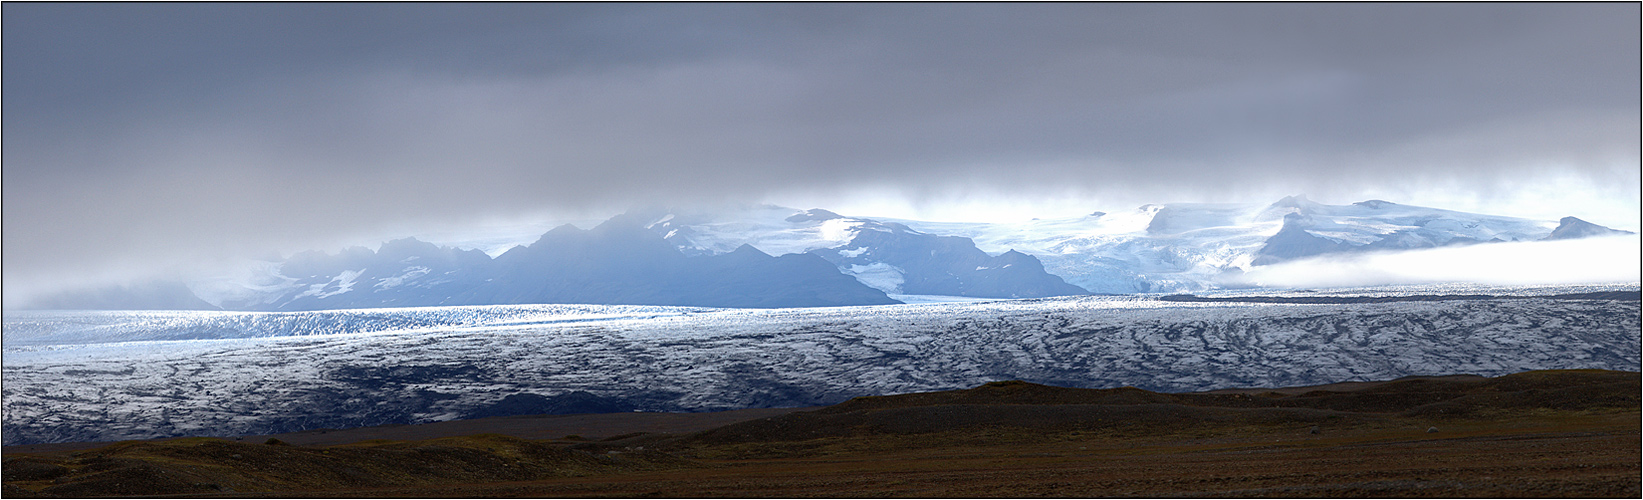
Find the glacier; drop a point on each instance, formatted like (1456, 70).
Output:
(1193, 247)
(113, 375)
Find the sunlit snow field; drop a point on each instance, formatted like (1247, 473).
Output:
(99, 375)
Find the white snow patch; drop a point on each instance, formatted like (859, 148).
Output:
(840, 230)
(884, 277)
(853, 253)
(344, 282)
(764, 227)
(408, 273)
(935, 299)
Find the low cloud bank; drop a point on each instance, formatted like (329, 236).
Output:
(1592, 260)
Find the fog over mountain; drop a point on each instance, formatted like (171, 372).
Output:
(768, 256)
(156, 139)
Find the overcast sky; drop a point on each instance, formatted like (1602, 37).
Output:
(139, 136)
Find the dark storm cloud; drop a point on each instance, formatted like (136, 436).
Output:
(142, 130)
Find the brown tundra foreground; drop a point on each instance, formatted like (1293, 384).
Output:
(1536, 434)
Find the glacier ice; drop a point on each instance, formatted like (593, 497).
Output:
(107, 375)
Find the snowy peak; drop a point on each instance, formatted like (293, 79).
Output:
(914, 263)
(1296, 204)
(1375, 204)
(813, 215)
(1569, 228)
(888, 256)
(624, 261)
(1294, 241)
(1177, 218)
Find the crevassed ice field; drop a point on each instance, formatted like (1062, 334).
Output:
(110, 375)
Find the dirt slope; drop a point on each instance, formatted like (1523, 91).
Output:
(1554, 433)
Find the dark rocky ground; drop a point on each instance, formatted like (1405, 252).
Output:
(1568, 433)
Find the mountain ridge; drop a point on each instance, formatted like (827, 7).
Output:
(650, 257)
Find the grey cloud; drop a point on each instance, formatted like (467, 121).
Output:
(178, 128)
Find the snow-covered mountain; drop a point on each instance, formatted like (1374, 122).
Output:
(771, 256)
(1184, 247)
(401, 273)
(617, 262)
(109, 375)
(888, 256)
(1178, 247)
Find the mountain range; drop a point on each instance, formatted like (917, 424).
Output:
(616, 262)
(769, 256)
